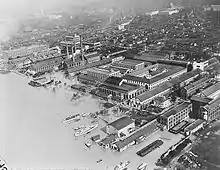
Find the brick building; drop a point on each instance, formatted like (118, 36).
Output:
(175, 115)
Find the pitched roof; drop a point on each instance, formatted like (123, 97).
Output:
(121, 123)
(205, 79)
(167, 85)
(212, 89)
(113, 80)
(213, 104)
(147, 130)
(153, 92)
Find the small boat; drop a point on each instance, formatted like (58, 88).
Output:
(86, 130)
(72, 117)
(122, 165)
(88, 144)
(85, 114)
(100, 160)
(80, 127)
(142, 166)
(34, 84)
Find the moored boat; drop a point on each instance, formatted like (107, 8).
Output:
(122, 165)
(72, 117)
(142, 166)
(86, 130)
(80, 127)
(34, 84)
(88, 144)
(4, 71)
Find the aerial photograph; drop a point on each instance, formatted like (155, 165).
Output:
(109, 84)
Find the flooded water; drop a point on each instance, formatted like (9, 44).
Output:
(32, 135)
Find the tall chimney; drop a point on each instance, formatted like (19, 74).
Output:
(81, 47)
(42, 11)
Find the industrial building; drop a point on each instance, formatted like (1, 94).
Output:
(92, 57)
(211, 111)
(194, 127)
(131, 64)
(163, 89)
(197, 103)
(211, 92)
(155, 81)
(74, 62)
(102, 74)
(121, 126)
(117, 88)
(145, 71)
(193, 88)
(147, 130)
(47, 64)
(25, 51)
(175, 115)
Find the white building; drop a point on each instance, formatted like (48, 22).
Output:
(121, 126)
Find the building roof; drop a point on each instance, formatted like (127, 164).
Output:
(113, 81)
(175, 110)
(121, 123)
(89, 65)
(49, 61)
(185, 76)
(123, 88)
(147, 58)
(100, 70)
(173, 62)
(197, 83)
(166, 74)
(122, 70)
(194, 125)
(213, 104)
(151, 93)
(109, 139)
(91, 55)
(200, 99)
(167, 85)
(210, 90)
(141, 72)
(85, 77)
(147, 130)
(134, 78)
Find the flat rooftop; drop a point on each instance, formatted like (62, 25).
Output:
(200, 99)
(175, 110)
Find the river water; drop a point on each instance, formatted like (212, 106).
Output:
(33, 137)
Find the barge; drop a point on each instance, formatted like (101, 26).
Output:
(149, 148)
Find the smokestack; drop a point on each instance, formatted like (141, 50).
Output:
(81, 47)
(42, 11)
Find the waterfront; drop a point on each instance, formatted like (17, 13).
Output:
(34, 137)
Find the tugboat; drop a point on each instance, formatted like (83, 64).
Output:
(142, 166)
(122, 165)
(86, 130)
(72, 117)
